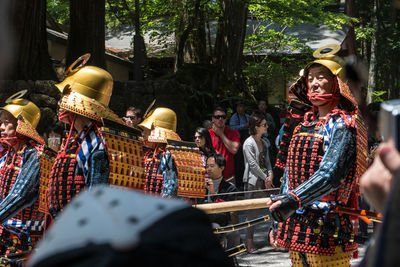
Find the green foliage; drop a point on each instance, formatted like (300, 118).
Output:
(365, 33)
(59, 10)
(295, 12)
(119, 13)
(379, 21)
(377, 96)
(274, 51)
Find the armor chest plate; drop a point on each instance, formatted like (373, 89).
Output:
(305, 154)
(154, 179)
(64, 182)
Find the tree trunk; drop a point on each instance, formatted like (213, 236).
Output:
(185, 28)
(230, 40)
(198, 45)
(372, 61)
(351, 37)
(31, 57)
(87, 31)
(137, 45)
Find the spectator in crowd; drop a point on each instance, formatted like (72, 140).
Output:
(202, 139)
(263, 107)
(258, 169)
(269, 137)
(55, 135)
(133, 116)
(225, 140)
(215, 184)
(207, 124)
(240, 121)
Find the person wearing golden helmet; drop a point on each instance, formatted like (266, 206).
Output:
(161, 173)
(21, 222)
(325, 158)
(82, 160)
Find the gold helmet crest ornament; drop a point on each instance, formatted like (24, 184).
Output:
(326, 56)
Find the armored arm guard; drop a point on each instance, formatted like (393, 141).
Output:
(335, 165)
(99, 168)
(170, 175)
(26, 187)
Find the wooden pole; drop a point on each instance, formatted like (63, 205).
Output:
(248, 204)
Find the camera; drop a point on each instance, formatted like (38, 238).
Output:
(389, 121)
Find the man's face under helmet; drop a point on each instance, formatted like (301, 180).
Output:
(323, 81)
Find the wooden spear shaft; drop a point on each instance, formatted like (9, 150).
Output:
(247, 204)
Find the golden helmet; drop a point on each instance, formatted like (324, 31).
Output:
(27, 113)
(18, 106)
(90, 81)
(87, 91)
(328, 59)
(160, 117)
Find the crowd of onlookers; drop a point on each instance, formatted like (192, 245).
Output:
(238, 153)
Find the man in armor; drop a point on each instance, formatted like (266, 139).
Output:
(82, 160)
(326, 155)
(22, 222)
(161, 173)
(173, 168)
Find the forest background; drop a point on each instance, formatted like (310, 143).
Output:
(212, 70)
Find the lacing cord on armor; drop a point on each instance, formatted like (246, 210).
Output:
(330, 230)
(10, 141)
(102, 140)
(71, 119)
(296, 197)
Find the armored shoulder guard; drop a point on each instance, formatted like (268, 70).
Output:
(125, 154)
(191, 172)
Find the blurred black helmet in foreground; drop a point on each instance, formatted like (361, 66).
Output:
(112, 227)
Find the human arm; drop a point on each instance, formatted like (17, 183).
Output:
(99, 168)
(378, 180)
(249, 152)
(225, 187)
(170, 175)
(270, 174)
(25, 189)
(210, 186)
(335, 165)
(232, 144)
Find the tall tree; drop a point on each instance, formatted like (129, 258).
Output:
(230, 39)
(137, 45)
(32, 60)
(87, 31)
(372, 59)
(188, 19)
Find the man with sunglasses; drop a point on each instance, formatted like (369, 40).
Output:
(132, 117)
(225, 140)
